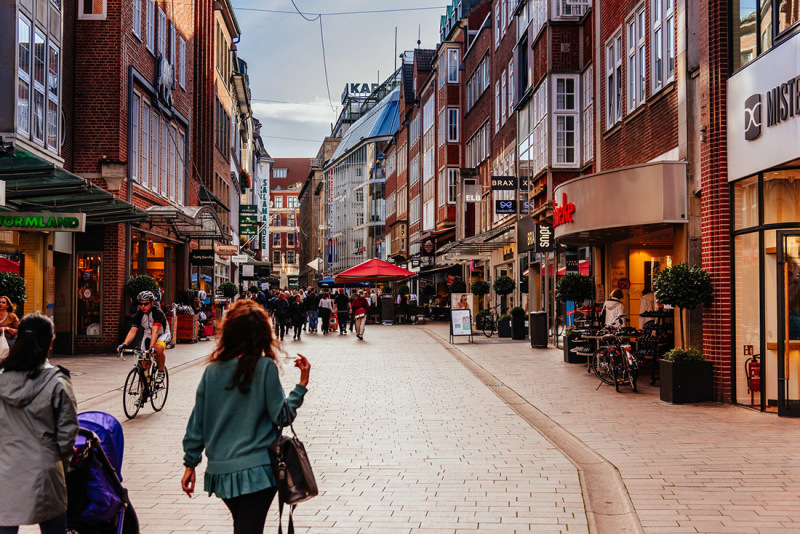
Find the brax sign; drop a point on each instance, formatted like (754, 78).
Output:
(504, 183)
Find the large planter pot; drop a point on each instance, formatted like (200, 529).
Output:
(518, 327)
(571, 342)
(686, 382)
(504, 328)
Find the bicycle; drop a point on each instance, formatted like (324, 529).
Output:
(613, 362)
(141, 385)
(488, 321)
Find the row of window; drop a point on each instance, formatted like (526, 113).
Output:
(662, 58)
(158, 152)
(503, 17)
(280, 173)
(448, 184)
(38, 85)
(290, 257)
(478, 147)
(504, 97)
(291, 239)
(478, 82)
(449, 63)
(534, 13)
(222, 129)
(292, 201)
(276, 219)
(162, 33)
(448, 125)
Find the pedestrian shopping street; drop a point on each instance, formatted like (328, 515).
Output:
(408, 433)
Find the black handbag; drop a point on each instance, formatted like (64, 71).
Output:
(292, 470)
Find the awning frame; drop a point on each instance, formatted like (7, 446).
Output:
(188, 222)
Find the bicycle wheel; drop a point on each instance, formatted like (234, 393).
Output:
(133, 393)
(158, 397)
(488, 327)
(633, 373)
(602, 365)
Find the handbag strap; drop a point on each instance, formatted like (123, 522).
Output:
(290, 527)
(281, 426)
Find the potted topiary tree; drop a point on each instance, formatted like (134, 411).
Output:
(229, 289)
(517, 323)
(503, 286)
(577, 288)
(403, 289)
(684, 374)
(138, 283)
(459, 286)
(12, 286)
(480, 288)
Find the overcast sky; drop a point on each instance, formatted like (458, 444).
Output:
(284, 59)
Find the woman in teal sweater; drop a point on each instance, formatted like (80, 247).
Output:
(236, 413)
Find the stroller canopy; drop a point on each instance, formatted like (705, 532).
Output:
(109, 431)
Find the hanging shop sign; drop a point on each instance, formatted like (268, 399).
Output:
(226, 250)
(763, 109)
(472, 193)
(240, 258)
(525, 183)
(201, 258)
(427, 248)
(504, 183)
(543, 238)
(248, 229)
(32, 221)
(165, 80)
(505, 206)
(562, 214)
(248, 209)
(526, 234)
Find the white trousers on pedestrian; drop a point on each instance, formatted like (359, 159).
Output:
(361, 323)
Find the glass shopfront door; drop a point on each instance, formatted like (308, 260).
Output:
(788, 365)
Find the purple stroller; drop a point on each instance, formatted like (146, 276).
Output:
(98, 503)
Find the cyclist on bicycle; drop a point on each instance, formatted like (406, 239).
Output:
(156, 330)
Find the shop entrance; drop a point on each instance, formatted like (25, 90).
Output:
(788, 252)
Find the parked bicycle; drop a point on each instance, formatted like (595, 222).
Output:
(613, 362)
(488, 321)
(141, 384)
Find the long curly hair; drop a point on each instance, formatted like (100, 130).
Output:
(246, 335)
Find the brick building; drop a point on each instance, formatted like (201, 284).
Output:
(288, 177)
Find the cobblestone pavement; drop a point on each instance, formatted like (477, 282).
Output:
(404, 438)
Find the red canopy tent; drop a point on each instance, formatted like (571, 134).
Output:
(9, 266)
(374, 270)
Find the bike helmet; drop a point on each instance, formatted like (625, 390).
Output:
(146, 296)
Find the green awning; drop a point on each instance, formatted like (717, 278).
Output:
(35, 184)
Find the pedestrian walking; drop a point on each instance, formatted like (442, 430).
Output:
(38, 426)
(312, 309)
(8, 320)
(281, 315)
(297, 314)
(613, 308)
(325, 311)
(342, 304)
(360, 306)
(238, 406)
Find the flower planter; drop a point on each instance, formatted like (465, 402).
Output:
(518, 327)
(504, 328)
(686, 382)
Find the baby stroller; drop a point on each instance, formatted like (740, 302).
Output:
(98, 504)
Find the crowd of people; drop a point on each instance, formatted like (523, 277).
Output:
(310, 311)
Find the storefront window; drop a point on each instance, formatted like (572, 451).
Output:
(782, 196)
(747, 309)
(89, 289)
(745, 201)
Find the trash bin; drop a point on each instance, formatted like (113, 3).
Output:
(537, 322)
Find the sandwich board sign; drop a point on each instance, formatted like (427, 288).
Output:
(460, 324)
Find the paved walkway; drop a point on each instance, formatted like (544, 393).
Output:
(406, 435)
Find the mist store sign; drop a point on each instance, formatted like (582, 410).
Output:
(763, 112)
(23, 221)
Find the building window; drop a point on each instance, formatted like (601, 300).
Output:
(39, 51)
(276, 240)
(413, 171)
(292, 202)
(452, 65)
(614, 80)
(276, 257)
(89, 310)
(145, 178)
(24, 76)
(496, 106)
(503, 97)
(510, 87)
(452, 125)
(290, 220)
(290, 239)
(565, 118)
(164, 156)
(415, 129)
(162, 33)
(137, 18)
(279, 173)
(150, 23)
(497, 25)
(92, 9)
(133, 160)
(539, 120)
(637, 58)
(279, 201)
(452, 185)
(179, 194)
(155, 128)
(171, 37)
(571, 8)
(183, 62)
(291, 257)
(663, 39)
(53, 82)
(587, 119)
(173, 166)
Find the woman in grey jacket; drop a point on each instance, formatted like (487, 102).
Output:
(38, 425)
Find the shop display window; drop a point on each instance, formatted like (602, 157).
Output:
(747, 310)
(89, 312)
(745, 203)
(782, 196)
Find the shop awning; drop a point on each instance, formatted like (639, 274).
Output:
(478, 246)
(35, 184)
(188, 222)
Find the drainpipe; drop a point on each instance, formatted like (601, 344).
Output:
(129, 192)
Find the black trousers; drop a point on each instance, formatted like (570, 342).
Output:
(249, 511)
(283, 326)
(325, 319)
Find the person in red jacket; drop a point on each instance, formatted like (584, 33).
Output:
(360, 306)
